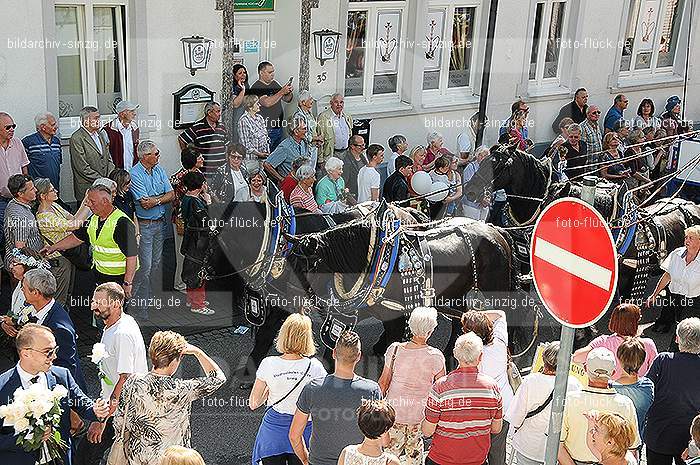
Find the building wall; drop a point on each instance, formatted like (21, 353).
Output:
(27, 76)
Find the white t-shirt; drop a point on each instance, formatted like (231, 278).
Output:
(238, 181)
(495, 360)
(685, 279)
(465, 141)
(530, 435)
(367, 179)
(127, 352)
(391, 163)
(281, 375)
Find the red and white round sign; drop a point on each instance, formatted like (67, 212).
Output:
(574, 262)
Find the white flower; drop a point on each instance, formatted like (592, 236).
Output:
(99, 353)
(22, 425)
(40, 407)
(59, 392)
(13, 412)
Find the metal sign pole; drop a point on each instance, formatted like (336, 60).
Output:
(566, 348)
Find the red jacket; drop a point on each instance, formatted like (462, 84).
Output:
(288, 184)
(116, 144)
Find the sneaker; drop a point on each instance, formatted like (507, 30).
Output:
(203, 311)
(181, 288)
(189, 304)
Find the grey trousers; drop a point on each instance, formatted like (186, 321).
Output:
(63, 273)
(497, 453)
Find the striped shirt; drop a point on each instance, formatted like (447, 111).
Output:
(252, 133)
(210, 142)
(463, 404)
(44, 158)
(302, 199)
(20, 225)
(592, 136)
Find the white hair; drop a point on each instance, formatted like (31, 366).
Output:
(43, 118)
(41, 280)
(106, 182)
(333, 163)
(144, 147)
(423, 321)
(468, 348)
(480, 149)
(305, 95)
(433, 136)
(336, 96)
(688, 332)
(305, 172)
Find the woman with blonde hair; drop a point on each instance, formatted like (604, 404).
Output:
(609, 438)
(178, 455)
(154, 408)
(278, 383)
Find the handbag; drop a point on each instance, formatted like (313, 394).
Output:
(514, 378)
(391, 368)
(117, 454)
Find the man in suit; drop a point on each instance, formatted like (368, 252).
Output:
(37, 349)
(335, 126)
(39, 287)
(89, 152)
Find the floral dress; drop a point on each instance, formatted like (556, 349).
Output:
(157, 410)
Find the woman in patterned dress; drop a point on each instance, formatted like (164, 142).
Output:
(155, 407)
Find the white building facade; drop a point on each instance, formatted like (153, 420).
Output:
(411, 66)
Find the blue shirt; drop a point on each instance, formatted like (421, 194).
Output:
(613, 116)
(504, 127)
(285, 153)
(144, 185)
(642, 395)
(44, 159)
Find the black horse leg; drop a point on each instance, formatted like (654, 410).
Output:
(393, 332)
(457, 331)
(264, 339)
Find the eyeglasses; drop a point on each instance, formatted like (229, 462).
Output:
(48, 354)
(10, 126)
(360, 145)
(236, 157)
(595, 112)
(156, 153)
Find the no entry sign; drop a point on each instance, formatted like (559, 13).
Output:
(574, 262)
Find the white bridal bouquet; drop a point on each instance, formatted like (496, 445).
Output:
(99, 353)
(33, 412)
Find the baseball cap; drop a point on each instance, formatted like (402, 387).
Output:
(600, 363)
(125, 105)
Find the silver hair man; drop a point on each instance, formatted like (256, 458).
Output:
(42, 281)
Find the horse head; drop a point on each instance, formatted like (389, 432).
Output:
(494, 173)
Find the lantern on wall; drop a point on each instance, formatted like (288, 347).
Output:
(326, 44)
(196, 51)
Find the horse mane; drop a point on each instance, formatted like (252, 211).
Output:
(343, 248)
(540, 170)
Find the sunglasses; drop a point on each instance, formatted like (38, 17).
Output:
(236, 157)
(50, 353)
(10, 126)
(595, 112)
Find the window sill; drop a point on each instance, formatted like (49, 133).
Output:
(647, 82)
(377, 109)
(449, 102)
(547, 92)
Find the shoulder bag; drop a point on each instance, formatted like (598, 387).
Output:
(538, 409)
(514, 378)
(296, 385)
(391, 367)
(117, 454)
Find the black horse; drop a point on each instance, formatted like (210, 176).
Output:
(462, 251)
(657, 229)
(239, 239)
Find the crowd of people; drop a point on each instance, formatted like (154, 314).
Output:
(323, 166)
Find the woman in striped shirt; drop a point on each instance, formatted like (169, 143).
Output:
(303, 195)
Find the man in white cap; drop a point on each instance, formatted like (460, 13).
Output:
(123, 135)
(600, 365)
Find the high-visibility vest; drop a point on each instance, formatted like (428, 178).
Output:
(106, 254)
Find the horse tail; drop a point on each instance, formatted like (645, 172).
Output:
(509, 246)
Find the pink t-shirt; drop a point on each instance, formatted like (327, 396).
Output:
(613, 341)
(414, 373)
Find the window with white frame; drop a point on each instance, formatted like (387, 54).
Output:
(449, 46)
(547, 36)
(374, 50)
(651, 36)
(90, 56)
